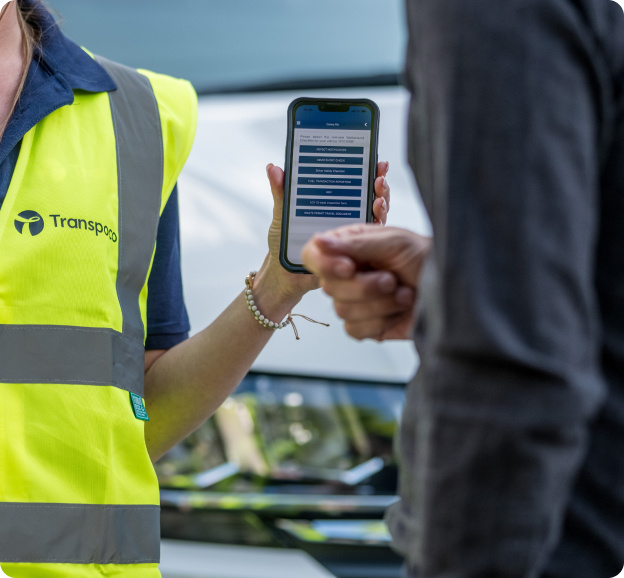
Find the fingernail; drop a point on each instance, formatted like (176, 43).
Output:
(387, 166)
(384, 204)
(404, 296)
(268, 168)
(343, 270)
(386, 283)
(327, 241)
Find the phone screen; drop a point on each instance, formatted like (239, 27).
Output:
(330, 171)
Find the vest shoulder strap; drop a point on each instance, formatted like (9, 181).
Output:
(138, 136)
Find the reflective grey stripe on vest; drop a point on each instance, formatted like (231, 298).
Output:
(138, 134)
(79, 534)
(59, 354)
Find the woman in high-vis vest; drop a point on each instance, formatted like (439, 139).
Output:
(90, 153)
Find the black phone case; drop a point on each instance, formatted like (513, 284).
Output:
(292, 268)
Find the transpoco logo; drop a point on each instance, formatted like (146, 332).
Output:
(32, 219)
(32, 222)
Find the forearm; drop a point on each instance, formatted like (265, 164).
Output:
(188, 383)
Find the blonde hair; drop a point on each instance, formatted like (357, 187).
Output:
(29, 41)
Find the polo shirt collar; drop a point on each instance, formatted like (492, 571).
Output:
(59, 66)
(65, 59)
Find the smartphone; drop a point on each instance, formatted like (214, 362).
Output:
(330, 170)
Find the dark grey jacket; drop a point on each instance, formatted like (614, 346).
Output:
(512, 441)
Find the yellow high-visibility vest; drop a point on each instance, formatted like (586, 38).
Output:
(78, 493)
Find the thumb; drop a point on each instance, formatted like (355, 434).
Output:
(363, 243)
(381, 248)
(276, 179)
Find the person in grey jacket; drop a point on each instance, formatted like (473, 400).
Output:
(511, 440)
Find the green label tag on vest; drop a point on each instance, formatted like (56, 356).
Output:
(138, 408)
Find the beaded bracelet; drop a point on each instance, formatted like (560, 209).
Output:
(264, 321)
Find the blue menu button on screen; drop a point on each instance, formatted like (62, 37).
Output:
(328, 214)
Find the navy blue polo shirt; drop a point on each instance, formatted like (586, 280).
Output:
(60, 67)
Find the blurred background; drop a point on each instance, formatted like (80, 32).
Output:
(292, 475)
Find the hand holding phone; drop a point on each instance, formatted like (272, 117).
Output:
(330, 169)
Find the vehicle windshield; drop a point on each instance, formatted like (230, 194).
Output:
(239, 45)
(274, 430)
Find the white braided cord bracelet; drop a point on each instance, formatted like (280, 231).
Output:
(265, 321)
